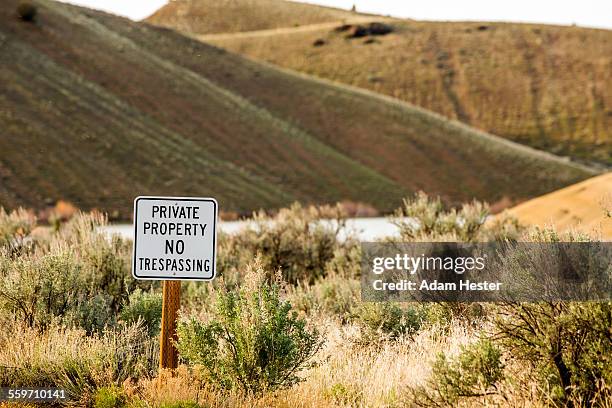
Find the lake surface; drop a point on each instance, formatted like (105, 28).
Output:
(366, 229)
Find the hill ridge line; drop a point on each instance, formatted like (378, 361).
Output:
(234, 98)
(174, 140)
(361, 91)
(155, 111)
(285, 30)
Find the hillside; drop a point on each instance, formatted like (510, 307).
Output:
(585, 206)
(96, 109)
(544, 86)
(222, 16)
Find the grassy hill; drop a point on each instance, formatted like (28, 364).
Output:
(96, 109)
(585, 206)
(544, 86)
(222, 16)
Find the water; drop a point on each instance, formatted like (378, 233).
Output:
(366, 229)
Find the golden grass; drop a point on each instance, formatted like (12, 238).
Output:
(351, 375)
(211, 16)
(346, 373)
(544, 86)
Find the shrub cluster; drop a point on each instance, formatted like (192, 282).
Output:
(252, 341)
(75, 275)
(474, 372)
(303, 243)
(424, 219)
(145, 307)
(334, 296)
(567, 344)
(386, 320)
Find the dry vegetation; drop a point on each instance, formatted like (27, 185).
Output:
(543, 86)
(210, 16)
(338, 351)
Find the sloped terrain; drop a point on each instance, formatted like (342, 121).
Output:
(222, 16)
(96, 109)
(585, 206)
(544, 86)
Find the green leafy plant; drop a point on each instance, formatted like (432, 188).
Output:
(76, 275)
(387, 320)
(253, 341)
(145, 306)
(424, 219)
(474, 372)
(303, 242)
(109, 397)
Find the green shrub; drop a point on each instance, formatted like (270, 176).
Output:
(425, 219)
(333, 296)
(344, 394)
(145, 306)
(105, 262)
(567, 343)
(27, 11)
(252, 341)
(387, 320)
(442, 314)
(109, 397)
(92, 314)
(38, 287)
(304, 243)
(179, 404)
(475, 372)
(77, 275)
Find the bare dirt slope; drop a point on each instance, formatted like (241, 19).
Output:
(585, 206)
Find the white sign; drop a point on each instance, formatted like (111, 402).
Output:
(174, 238)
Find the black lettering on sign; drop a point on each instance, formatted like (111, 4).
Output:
(172, 246)
(175, 211)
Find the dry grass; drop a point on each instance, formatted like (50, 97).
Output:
(210, 16)
(543, 86)
(350, 375)
(346, 374)
(68, 358)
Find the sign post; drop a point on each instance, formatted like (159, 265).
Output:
(174, 239)
(168, 356)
